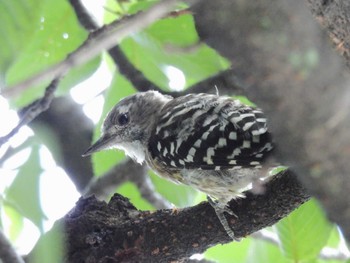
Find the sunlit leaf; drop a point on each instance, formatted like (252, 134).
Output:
(233, 252)
(164, 44)
(50, 247)
(262, 251)
(16, 222)
(18, 26)
(304, 232)
(55, 34)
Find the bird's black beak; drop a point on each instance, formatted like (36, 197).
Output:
(101, 144)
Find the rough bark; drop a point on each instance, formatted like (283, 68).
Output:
(117, 232)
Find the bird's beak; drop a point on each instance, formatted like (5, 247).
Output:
(103, 143)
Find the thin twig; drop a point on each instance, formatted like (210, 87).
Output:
(31, 111)
(102, 39)
(7, 253)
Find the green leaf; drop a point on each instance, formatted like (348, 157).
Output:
(24, 191)
(304, 232)
(131, 191)
(117, 9)
(50, 247)
(16, 221)
(104, 160)
(147, 50)
(140, 6)
(334, 238)
(178, 194)
(17, 28)
(333, 242)
(262, 251)
(55, 34)
(233, 252)
(179, 30)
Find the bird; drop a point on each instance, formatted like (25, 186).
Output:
(216, 144)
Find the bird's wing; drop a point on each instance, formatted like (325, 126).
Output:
(208, 132)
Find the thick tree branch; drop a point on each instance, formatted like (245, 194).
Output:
(288, 68)
(119, 233)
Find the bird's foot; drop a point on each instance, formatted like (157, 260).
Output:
(220, 210)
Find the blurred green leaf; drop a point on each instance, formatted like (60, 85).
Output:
(16, 221)
(333, 242)
(117, 9)
(119, 89)
(131, 191)
(262, 251)
(141, 5)
(334, 237)
(184, 35)
(244, 100)
(17, 28)
(113, 11)
(233, 252)
(24, 191)
(50, 247)
(304, 232)
(55, 34)
(153, 49)
(178, 194)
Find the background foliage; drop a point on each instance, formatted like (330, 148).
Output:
(39, 33)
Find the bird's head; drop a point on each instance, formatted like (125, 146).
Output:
(129, 124)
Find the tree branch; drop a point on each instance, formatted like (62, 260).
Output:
(226, 81)
(102, 39)
(120, 233)
(31, 111)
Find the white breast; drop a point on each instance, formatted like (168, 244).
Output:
(134, 150)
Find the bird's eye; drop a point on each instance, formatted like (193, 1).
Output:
(123, 119)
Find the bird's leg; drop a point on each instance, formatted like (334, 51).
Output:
(219, 210)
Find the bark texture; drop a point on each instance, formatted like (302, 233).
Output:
(116, 232)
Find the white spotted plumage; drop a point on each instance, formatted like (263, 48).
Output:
(199, 124)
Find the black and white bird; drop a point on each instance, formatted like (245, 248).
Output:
(213, 143)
